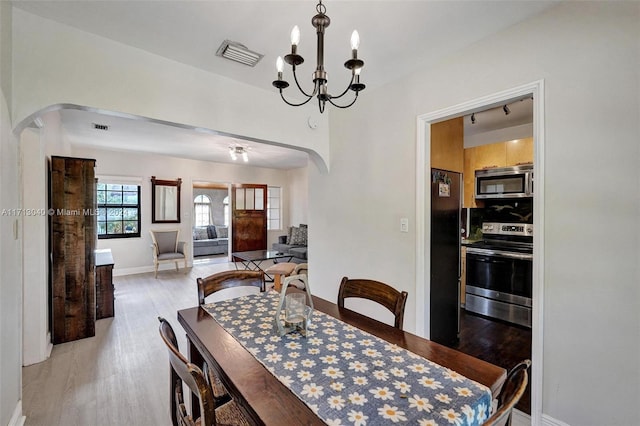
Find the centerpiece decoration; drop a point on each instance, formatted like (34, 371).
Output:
(297, 314)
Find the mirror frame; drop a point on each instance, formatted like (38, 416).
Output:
(159, 182)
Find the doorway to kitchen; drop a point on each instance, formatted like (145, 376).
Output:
(423, 244)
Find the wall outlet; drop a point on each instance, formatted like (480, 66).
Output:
(404, 224)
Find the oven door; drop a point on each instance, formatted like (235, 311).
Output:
(499, 284)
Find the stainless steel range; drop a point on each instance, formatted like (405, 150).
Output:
(499, 272)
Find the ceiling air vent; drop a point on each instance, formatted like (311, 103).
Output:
(238, 52)
(100, 126)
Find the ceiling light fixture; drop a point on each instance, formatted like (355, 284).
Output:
(320, 82)
(238, 150)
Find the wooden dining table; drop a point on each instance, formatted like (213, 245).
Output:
(265, 400)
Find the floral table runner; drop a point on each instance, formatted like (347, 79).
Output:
(348, 376)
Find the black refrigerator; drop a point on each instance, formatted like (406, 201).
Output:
(445, 256)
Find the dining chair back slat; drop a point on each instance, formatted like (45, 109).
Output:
(182, 371)
(210, 411)
(376, 291)
(511, 392)
(228, 279)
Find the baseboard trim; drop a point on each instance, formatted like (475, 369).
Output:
(520, 418)
(547, 420)
(523, 419)
(117, 272)
(17, 419)
(49, 345)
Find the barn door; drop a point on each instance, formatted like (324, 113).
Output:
(249, 217)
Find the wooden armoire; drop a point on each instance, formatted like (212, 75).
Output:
(72, 242)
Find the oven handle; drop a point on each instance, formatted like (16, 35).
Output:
(500, 253)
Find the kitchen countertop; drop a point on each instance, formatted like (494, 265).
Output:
(467, 242)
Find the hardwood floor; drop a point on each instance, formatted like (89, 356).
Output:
(121, 376)
(497, 342)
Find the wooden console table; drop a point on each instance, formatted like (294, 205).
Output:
(104, 284)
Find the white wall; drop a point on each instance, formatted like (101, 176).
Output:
(60, 64)
(36, 342)
(507, 134)
(10, 242)
(588, 55)
(297, 203)
(133, 255)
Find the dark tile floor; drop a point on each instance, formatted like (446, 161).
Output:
(497, 342)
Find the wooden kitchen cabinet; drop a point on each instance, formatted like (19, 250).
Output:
(519, 151)
(468, 178)
(447, 145)
(490, 156)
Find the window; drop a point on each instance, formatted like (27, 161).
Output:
(225, 203)
(273, 208)
(202, 208)
(118, 210)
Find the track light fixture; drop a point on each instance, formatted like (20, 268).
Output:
(506, 110)
(320, 78)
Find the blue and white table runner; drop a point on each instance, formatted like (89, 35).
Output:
(348, 376)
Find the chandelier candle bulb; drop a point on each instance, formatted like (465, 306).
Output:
(279, 67)
(355, 43)
(295, 38)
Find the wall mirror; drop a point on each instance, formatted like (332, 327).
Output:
(165, 199)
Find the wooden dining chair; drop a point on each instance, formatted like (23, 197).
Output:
(182, 371)
(510, 394)
(376, 291)
(228, 279)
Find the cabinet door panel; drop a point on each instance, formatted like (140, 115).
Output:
(447, 145)
(490, 156)
(519, 151)
(469, 178)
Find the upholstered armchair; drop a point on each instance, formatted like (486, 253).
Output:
(167, 248)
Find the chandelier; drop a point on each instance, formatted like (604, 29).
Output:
(320, 82)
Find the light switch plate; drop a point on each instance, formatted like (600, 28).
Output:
(404, 224)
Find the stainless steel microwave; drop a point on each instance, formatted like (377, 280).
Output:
(505, 182)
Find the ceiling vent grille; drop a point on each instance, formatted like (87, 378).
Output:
(100, 126)
(239, 53)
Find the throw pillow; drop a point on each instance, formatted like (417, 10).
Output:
(299, 237)
(222, 231)
(200, 234)
(211, 232)
(289, 233)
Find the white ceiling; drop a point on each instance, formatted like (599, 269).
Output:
(397, 38)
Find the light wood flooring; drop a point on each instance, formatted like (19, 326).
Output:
(120, 376)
